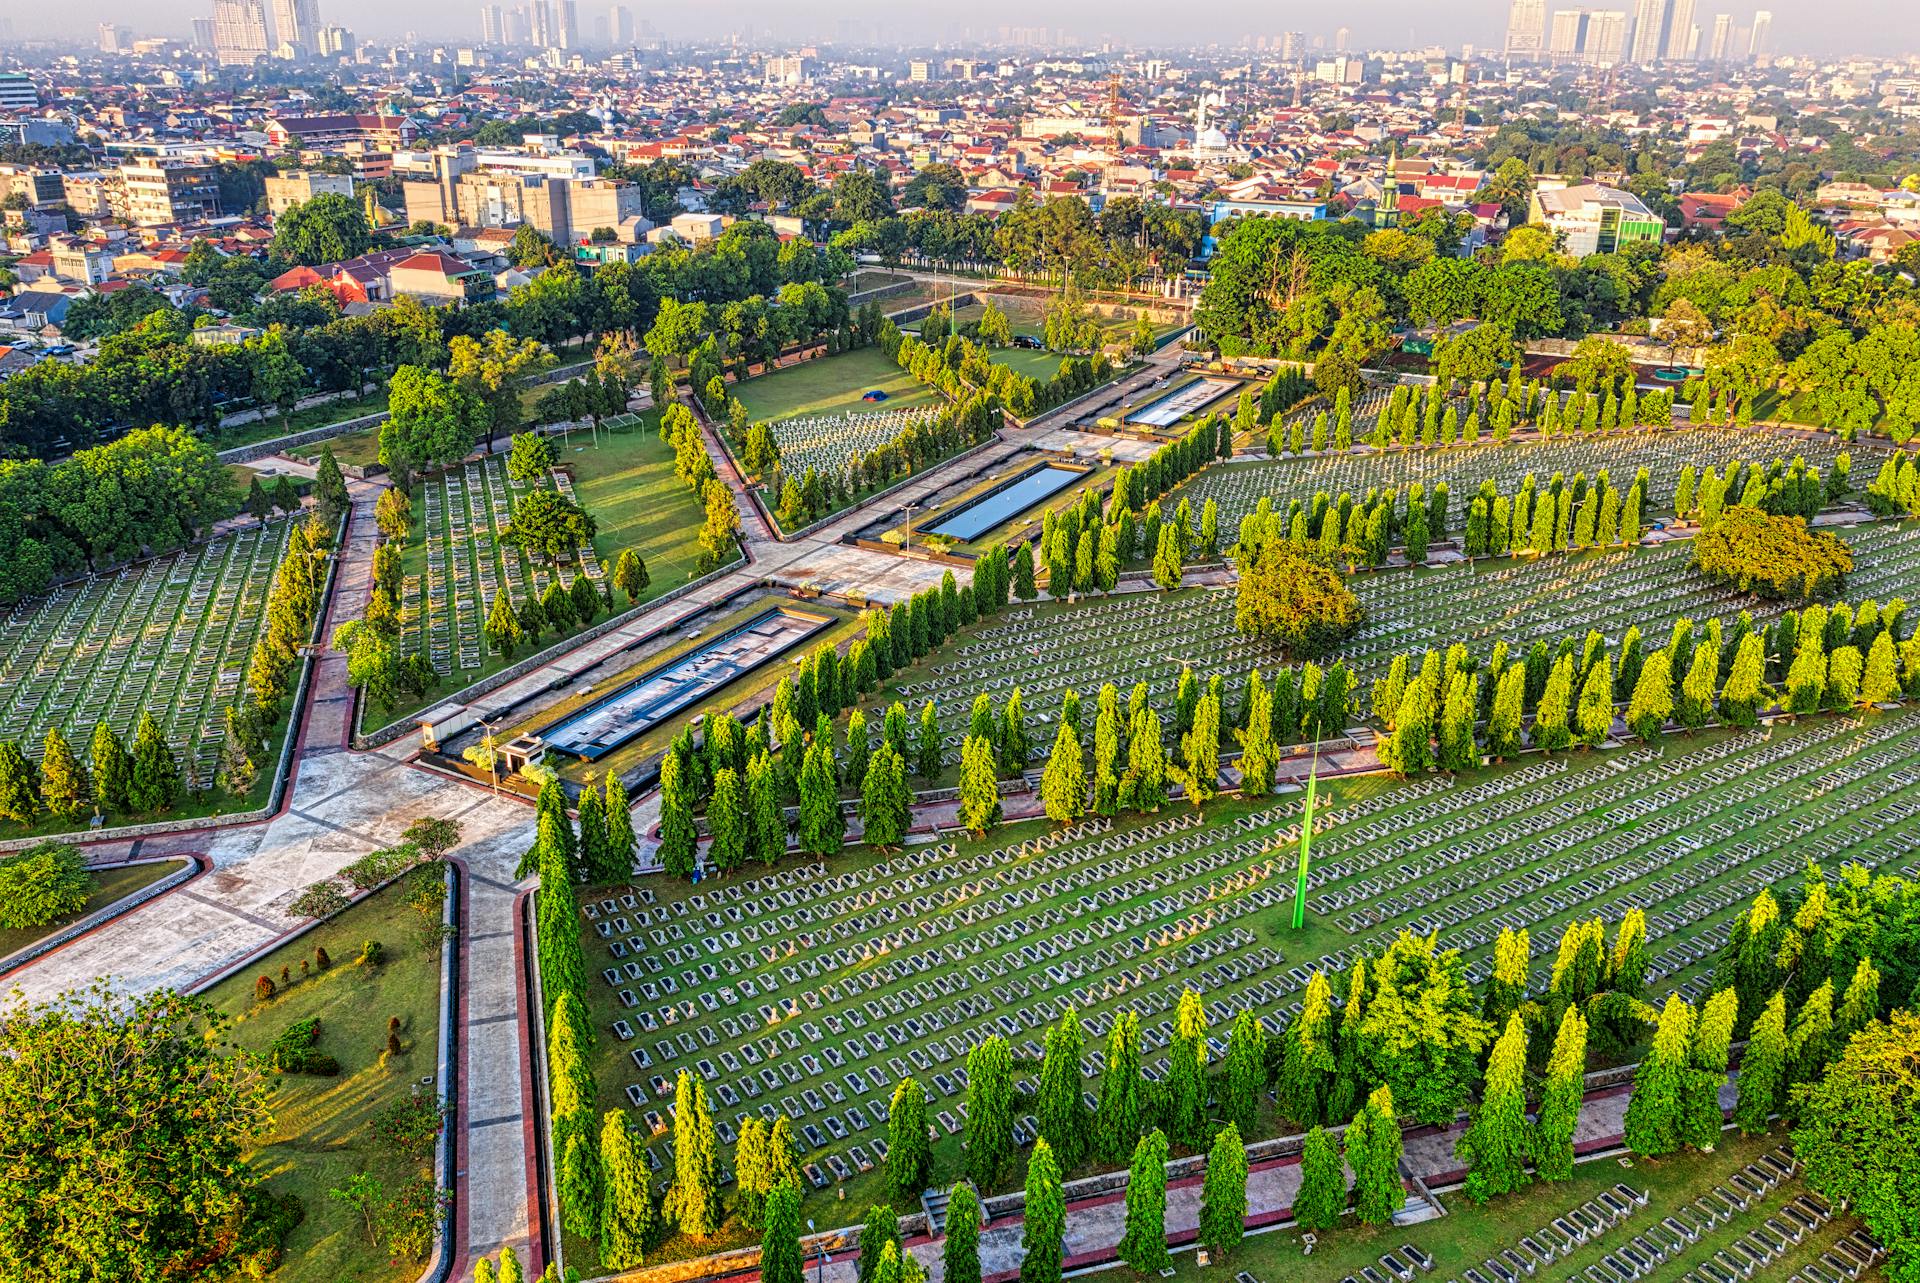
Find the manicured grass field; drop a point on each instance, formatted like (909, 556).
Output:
(1471, 1234)
(321, 1135)
(1688, 827)
(626, 482)
(360, 448)
(110, 886)
(832, 385)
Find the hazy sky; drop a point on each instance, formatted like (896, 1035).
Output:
(1812, 26)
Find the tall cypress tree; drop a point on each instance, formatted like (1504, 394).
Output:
(1655, 1113)
(1323, 1183)
(909, 1155)
(1144, 1244)
(1712, 1042)
(979, 787)
(823, 828)
(1560, 1099)
(1117, 1123)
(1059, 1109)
(1246, 1076)
(1187, 1073)
(1223, 1193)
(769, 821)
(678, 837)
(726, 821)
(694, 1200)
(1307, 1056)
(780, 1257)
(1763, 1068)
(879, 1236)
(960, 1256)
(112, 768)
(1063, 785)
(989, 1126)
(1507, 987)
(620, 841)
(626, 1208)
(1043, 1234)
(1373, 1151)
(1495, 1143)
(1810, 1045)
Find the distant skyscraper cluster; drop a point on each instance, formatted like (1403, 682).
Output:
(555, 24)
(1654, 31)
(239, 35)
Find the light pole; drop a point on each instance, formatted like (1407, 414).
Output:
(820, 1260)
(493, 753)
(906, 540)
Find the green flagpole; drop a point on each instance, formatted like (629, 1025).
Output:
(1306, 838)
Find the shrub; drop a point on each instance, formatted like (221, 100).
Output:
(410, 1125)
(371, 953)
(320, 959)
(295, 1051)
(321, 900)
(263, 989)
(376, 867)
(42, 885)
(1774, 556)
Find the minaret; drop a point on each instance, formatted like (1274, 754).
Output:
(1386, 211)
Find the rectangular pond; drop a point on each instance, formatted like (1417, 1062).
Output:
(1167, 410)
(1005, 501)
(651, 698)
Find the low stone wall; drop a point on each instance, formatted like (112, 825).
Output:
(279, 445)
(514, 672)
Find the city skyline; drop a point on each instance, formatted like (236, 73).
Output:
(1798, 26)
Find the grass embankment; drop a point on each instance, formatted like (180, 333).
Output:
(322, 1132)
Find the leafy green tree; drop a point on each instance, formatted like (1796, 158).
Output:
(909, 1154)
(19, 785)
(1810, 1044)
(1655, 1112)
(112, 768)
(1063, 785)
(979, 787)
(1307, 1055)
(1144, 1244)
(43, 884)
(823, 827)
(1496, 1141)
(780, 1257)
(117, 1112)
(879, 1245)
(1373, 1152)
(1044, 1230)
(1246, 1071)
(502, 629)
(678, 836)
(1763, 1069)
(989, 1125)
(1186, 1073)
(1561, 1099)
(1117, 1122)
(1060, 1111)
(1223, 1193)
(328, 228)
(1323, 1183)
(1858, 1135)
(155, 781)
(1712, 1043)
(884, 798)
(726, 820)
(630, 575)
(960, 1255)
(694, 1200)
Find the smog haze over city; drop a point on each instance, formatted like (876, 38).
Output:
(1809, 26)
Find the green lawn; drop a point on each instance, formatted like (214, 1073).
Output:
(1470, 1234)
(361, 447)
(110, 885)
(627, 483)
(320, 1133)
(1180, 892)
(1040, 366)
(312, 417)
(832, 385)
